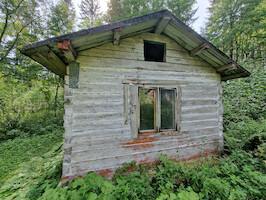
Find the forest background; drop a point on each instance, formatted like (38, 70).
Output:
(31, 105)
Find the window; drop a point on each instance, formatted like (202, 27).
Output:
(154, 51)
(147, 101)
(157, 109)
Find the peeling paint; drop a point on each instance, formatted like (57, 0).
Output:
(105, 173)
(141, 140)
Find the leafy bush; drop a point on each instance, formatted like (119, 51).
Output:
(38, 123)
(41, 123)
(31, 178)
(19, 150)
(29, 106)
(233, 177)
(244, 111)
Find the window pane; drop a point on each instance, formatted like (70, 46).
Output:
(167, 109)
(147, 97)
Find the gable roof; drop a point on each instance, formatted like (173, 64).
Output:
(47, 52)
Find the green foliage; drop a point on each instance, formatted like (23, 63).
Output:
(41, 172)
(31, 115)
(19, 150)
(124, 9)
(237, 176)
(237, 27)
(62, 18)
(91, 187)
(19, 23)
(90, 14)
(244, 111)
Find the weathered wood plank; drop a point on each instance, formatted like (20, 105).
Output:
(84, 143)
(88, 62)
(136, 44)
(114, 149)
(67, 49)
(100, 119)
(175, 57)
(208, 55)
(161, 25)
(87, 39)
(99, 107)
(120, 72)
(198, 50)
(178, 110)
(134, 111)
(117, 35)
(225, 67)
(73, 74)
(184, 152)
(199, 109)
(102, 136)
(201, 116)
(189, 125)
(194, 102)
(108, 134)
(42, 60)
(232, 76)
(96, 125)
(200, 95)
(99, 96)
(139, 27)
(126, 98)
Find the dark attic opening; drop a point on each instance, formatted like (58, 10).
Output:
(154, 51)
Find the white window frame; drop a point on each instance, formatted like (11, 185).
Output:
(132, 107)
(157, 121)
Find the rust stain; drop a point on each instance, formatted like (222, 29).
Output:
(140, 146)
(63, 45)
(141, 140)
(105, 173)
(169, 133)
(108, 173)
(199, 155)
(140, 143)
(144, 161)
(162, 66)
(143, 134)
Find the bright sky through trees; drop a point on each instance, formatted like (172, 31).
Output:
(201, 13)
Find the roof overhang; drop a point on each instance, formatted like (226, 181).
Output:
(57, 52)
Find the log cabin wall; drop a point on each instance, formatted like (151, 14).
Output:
(98, 133)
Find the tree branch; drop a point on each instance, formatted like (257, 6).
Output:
(14, 42)
(8, 14)
(5, 26)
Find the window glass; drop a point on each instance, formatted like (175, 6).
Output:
(167, 109)
(147, 108)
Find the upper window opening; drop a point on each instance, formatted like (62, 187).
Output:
(154, 51)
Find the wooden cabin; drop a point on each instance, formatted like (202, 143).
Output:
(137, 88)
